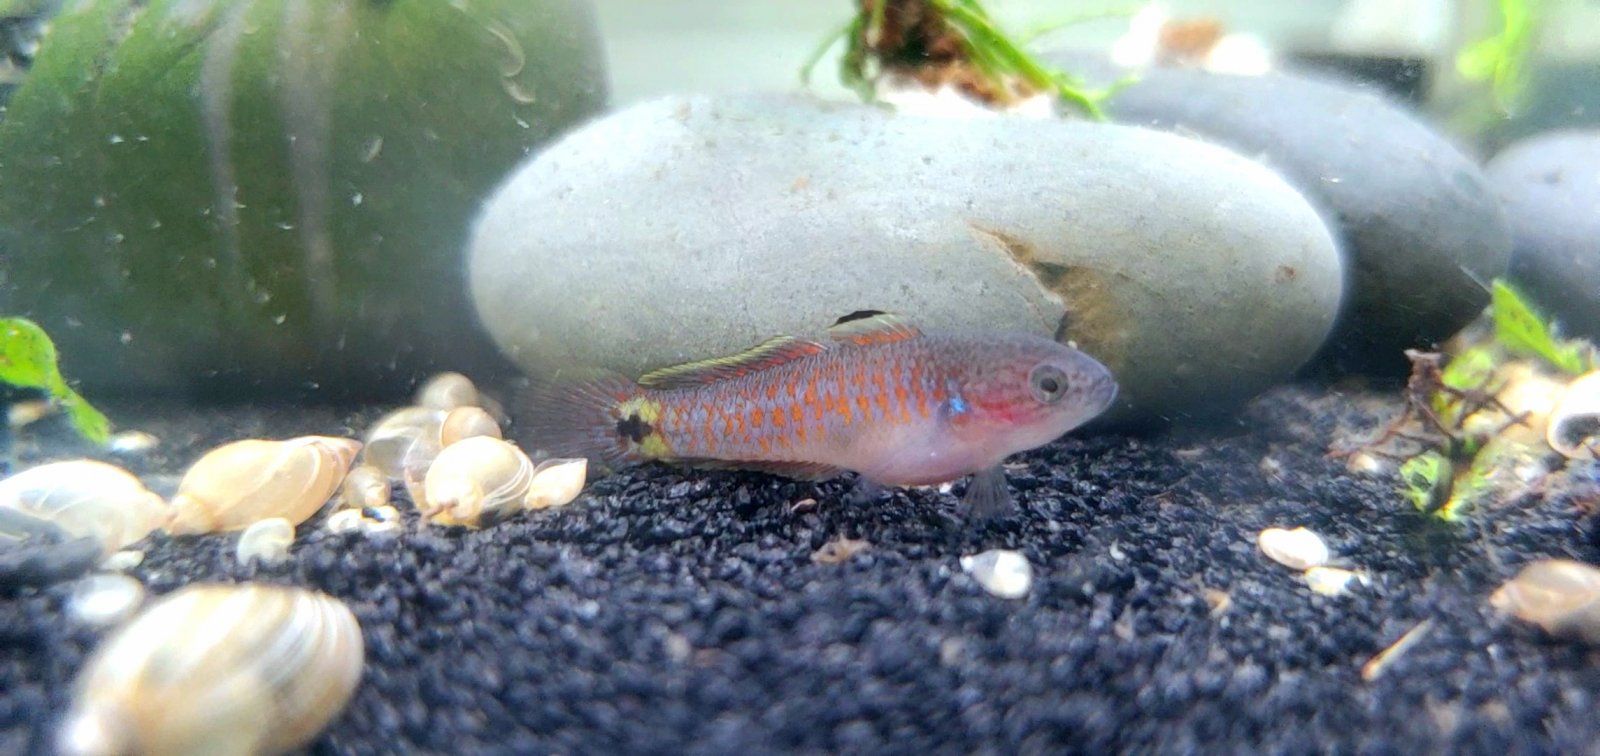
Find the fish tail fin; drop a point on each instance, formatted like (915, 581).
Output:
(582, 416)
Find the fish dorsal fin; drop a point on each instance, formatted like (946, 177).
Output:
(867, 327)
(770, 353)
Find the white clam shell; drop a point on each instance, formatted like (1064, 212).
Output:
(104, 599)
(1333, 581)
(556, 482)
(475, 480)
(1298, 549)
(1002, 572)
(123, 560)
(266, 541)
(404, 442)
(25, 413)
(1560, 595)
(240, 483)
(218, 669)
(132, 442)
(1574, 428)
(86, 498)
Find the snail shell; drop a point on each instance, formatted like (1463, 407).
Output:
(218, 669)
(240, 483)
(1526, 397)
(447, 391)
(86, 498)
(1575, 423)
(368, 520)
(404, 441)
(266, 541)
(1559, 595)
(467, 422)
(365, 486)
(556, 482)
(475, 480)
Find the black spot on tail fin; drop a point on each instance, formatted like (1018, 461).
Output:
(582, 415)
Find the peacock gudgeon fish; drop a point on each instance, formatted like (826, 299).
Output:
(879, 397)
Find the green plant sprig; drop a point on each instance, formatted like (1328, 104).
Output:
(28, 359)
(1502, 58)
(1447, 481)
(1521, 330)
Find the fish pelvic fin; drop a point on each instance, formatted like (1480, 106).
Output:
(599, 416)
(987, 495)
(770, 353)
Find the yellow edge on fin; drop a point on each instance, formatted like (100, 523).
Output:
(770, 353)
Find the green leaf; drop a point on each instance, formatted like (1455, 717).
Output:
(1471, 484)
(27, 356)
(1521, 330)
(1501, 59)
(1470, 369)
(1425, 480)
(28, 359)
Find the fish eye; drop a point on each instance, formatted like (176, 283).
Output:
(1048, 383)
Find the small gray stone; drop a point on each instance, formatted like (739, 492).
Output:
(1420, 228)
(1550, 185)
(689, 227)
(37, 552)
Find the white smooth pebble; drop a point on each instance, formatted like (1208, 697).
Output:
(266, 541)
(1001, 572)
(101, 600)
(1297, 549)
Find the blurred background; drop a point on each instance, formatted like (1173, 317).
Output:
(1412, 47)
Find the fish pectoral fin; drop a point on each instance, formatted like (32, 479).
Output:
(987, 494)
(868, 327)
(796, 470)
(770, 353)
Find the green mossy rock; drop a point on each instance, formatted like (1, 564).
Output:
(271, 194)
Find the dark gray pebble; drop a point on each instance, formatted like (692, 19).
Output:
(1415, 216)
(1550, 185)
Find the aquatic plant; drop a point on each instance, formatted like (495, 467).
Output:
(1474, 407)
(1520, 329)
(954, 39)
(28, 359)
(1501, 58)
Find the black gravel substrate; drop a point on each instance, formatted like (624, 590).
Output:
(671, 611)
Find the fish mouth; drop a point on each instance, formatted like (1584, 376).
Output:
(1100, 387)
(1105, 392)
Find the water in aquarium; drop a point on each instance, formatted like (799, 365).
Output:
(799, 376)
